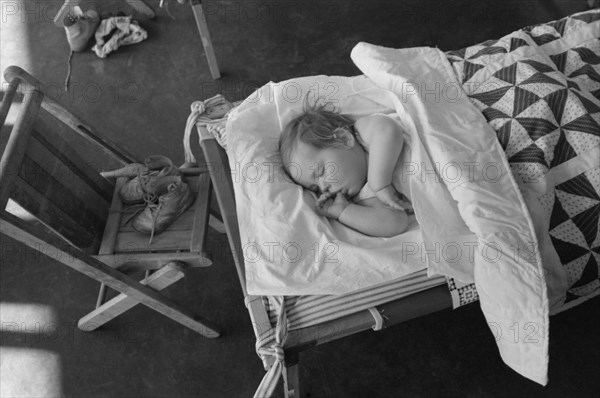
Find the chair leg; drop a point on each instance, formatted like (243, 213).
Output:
(141, 7)
(166, 276)
(291, 378)
(101, 295)
(205, 36)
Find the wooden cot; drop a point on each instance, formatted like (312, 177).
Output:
(299, 340)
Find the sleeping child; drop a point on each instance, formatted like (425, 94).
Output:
(350, 166)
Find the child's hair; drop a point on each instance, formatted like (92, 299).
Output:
(315, 126)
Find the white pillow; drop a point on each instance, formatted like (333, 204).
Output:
(287, 248)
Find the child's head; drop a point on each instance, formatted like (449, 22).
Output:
(320, 151)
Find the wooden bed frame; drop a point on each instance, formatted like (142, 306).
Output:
(397, 311)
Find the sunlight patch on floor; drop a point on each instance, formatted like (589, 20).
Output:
(25, 317)
(14, 43)
(26, 371)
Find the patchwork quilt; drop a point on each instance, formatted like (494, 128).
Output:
(538, 124)
(539, 88)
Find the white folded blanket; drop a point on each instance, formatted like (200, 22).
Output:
(446, 129)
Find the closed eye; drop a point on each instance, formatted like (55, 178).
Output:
(317, 171)
(321, 169)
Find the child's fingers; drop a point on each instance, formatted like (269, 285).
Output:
(394, 202)
(321, 201)
(324, 198)
(396, 206)
(391, 199)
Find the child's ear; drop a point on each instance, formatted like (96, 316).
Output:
(346, 137)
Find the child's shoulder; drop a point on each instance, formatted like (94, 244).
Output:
(377, 122)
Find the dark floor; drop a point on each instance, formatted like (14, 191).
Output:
(140, 97)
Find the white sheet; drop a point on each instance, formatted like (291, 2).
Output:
(288, 248)
(508, 269)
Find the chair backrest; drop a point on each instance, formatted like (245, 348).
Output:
(51, 163)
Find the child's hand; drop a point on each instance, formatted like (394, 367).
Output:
(390, 197)
(330, 206)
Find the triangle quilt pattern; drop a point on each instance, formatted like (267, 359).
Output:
(587, 17)
(545, 114)
(517, 42)
(530, 154)
(547, 143)
(489, 51)
(588, 71)
(469, 69)
(560, 60)
(503, 134)
(574, 230)
(558, 215)
(580, 185)
(575, 204)
(536, 127)
(559, 26)
(558, 121)
(587, 222)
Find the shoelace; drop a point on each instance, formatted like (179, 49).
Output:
(150, 201)
(165, 5)
(154, 205)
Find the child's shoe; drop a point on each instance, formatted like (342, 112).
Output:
(80, 27)
(174, 198)
(145, 180)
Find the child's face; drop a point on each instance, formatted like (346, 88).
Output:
(338, 169)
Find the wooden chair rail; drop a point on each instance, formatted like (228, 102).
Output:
(17, 77)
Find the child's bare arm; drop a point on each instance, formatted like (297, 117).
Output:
(380, 220)
(384, 141)
(371, 217)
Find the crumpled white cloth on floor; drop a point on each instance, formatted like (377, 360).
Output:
(124, 32)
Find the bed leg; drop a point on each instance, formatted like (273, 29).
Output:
(291, 379)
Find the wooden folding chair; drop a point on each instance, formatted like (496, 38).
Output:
(50, 169)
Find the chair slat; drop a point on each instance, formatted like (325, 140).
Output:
(68, 176)
(31, 86)
(53, 217)
(185, 222)
(109, 238)
(171, 241)
(17, 142)
(60, 196)
(74, 161)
